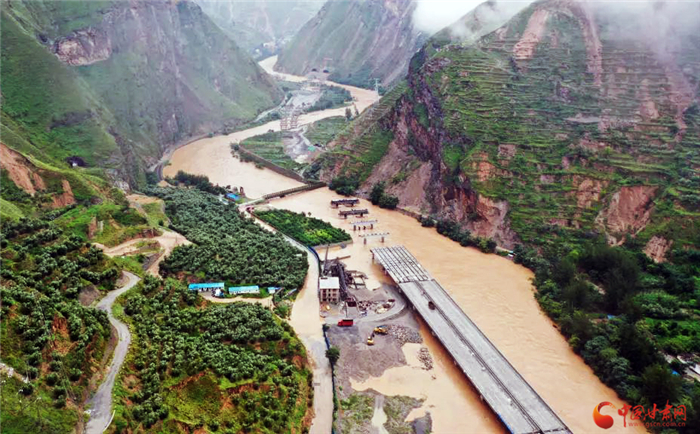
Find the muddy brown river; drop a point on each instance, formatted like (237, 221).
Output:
(496, 293)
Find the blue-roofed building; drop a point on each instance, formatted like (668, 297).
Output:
(273, 289)
(238, 290)
(206, 286)
(232, 197)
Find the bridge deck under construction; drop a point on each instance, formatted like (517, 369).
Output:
(515, 402)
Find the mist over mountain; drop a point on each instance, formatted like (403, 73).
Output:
(572, 117)
(356, 41)
(260, 26)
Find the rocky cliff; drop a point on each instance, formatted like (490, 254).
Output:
(114, 83)
(357, 41)
(571, 119)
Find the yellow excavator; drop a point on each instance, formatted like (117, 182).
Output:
(381, 330)
(370, 339)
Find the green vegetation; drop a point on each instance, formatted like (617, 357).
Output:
(307, 230)
(397, 409)
(322, 132)
(379, 197)
(539, 136)
(47, 335)
(270, 147)
(636, 310)
(360, 147)
(114, 112)
(344, 185)
(358, 409)
(333, 355)
(119, 222)
(331, 97)
(227, 245)
(233, 367)
(454, 231)
(200, 182)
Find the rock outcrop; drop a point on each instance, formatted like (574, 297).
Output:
(83, 47)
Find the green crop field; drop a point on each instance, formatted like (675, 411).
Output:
(307, 230)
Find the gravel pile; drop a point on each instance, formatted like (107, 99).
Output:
(404, 334)
(425, 359)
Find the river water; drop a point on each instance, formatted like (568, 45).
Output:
(212, 156)
(496, 293)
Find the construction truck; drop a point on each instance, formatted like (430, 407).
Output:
(381, 330)
(370, 340)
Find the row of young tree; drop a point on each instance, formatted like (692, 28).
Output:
(47, 335)
(180, 340)
(455, 232)
(227, 245)
(307, 230)
(200, 182)
(606, 301)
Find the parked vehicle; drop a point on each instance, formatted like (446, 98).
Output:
(348, 322)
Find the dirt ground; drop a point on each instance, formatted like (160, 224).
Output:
(88, 295)
(360, 361)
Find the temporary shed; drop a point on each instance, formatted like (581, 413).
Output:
(206, 286)
(273, 289)
(244, 290)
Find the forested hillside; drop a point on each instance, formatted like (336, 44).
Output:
(49, 337)
(227, 245)
(571, 134)
(114, 83)
(226, 368)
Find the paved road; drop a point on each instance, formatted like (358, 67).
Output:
(307, 323)
(101, 402)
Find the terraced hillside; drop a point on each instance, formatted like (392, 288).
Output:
(358, 41)
(561, 123)
(113, 83)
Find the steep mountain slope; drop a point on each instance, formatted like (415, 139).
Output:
(114, 83)
(569, 119)
(260, 26)
(483, 19)
(357, 41)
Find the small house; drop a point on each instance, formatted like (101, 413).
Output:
(329, 287)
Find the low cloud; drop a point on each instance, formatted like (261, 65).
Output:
(431, 16)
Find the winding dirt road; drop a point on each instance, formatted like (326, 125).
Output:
(101, 402)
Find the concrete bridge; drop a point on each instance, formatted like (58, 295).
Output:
(513, 400)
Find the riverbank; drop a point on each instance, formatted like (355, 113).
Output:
(211, 156)
(496, 293)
